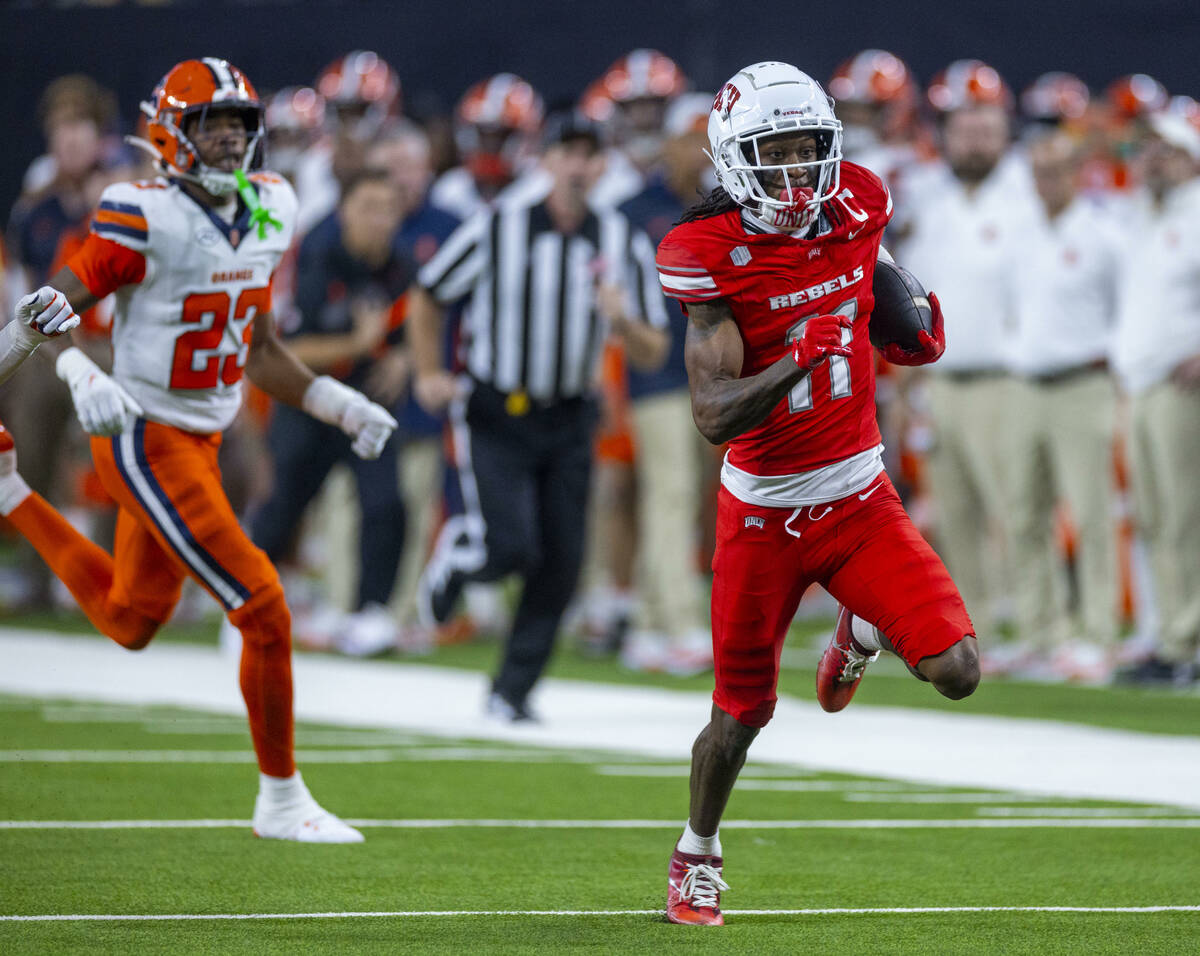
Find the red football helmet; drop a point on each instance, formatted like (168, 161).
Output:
(191, 89)
(1136, 95)
(966, 83)
(1056, 97)
(642, 74)
(497, 121)
(362, 89)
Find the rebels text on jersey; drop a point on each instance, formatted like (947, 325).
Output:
(774, 283)
(188, 287)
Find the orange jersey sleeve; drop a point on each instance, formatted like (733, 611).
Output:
(104, 266)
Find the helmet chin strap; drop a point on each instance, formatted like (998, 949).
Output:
(214, 182)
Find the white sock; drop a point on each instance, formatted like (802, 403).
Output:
(13, 490)
(692, 843)
(865, 634)
(282, 791)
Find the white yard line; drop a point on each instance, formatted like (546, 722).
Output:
(404, 914)
(357, 755)
(929, 747)
(1133, 822)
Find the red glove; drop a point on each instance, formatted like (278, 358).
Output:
(822, 336)
(932, 346)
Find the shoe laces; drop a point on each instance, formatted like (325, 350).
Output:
(701, 885)
(855, 664)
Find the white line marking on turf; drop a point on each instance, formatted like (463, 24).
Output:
(1080, 812)
(861, 796)
(193, 756)
(859, 911)
(362, 755)
(1002, 823)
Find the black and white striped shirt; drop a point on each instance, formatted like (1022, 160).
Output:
(531, 322)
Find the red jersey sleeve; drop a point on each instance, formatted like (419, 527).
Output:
(104, 266)
(865, 196)
(681, 273)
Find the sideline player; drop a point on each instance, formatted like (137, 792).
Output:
(190, 257)
(775, 267)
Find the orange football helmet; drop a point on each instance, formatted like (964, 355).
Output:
(873, 77)
(1056, 97)
(504, 100)
(966, 83)
(1187, 107)
(361, 87)
(1136, 95)
(192, 88)
(641, 74)
(497, 122)
(295, 108)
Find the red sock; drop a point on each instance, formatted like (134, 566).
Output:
(266, 680)
(85, 568)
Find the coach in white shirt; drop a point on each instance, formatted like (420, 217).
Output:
(960, 246)
(1064, 281)
(1156, 353)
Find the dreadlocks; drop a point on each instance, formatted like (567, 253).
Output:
(716, 202)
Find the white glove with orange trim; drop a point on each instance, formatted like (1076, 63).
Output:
(367, 423)
(103, 406)
(39, 316)
(47, 311)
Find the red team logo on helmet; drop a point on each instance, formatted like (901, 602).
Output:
(729, 95)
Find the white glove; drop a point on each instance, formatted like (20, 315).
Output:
(367, 423)
(47, 311)
(103, 406)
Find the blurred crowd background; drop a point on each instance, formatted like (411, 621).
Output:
(1050, 455)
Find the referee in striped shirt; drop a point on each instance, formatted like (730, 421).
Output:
(546, 279)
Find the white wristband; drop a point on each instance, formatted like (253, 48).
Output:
(327, 399)
(73, 366)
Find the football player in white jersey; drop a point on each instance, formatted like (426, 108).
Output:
(190, 257)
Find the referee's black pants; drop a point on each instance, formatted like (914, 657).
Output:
(528, 477)
(304, 451)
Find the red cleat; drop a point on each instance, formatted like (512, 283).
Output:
(694, 887)
(6, 439)
(841, 666)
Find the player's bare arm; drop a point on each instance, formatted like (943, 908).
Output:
(272, 366)
(434, 387)
(725, 405)
(646, 347)
(70, 285)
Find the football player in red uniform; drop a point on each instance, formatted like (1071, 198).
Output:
(775, 268)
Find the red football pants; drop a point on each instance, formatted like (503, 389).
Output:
(863, 549)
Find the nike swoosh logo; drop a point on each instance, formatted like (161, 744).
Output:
(867, 494)
(853, 233)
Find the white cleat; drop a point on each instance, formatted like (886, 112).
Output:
(287, 811)
(310, 823)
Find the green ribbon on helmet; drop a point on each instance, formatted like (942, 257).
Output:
(259, 215)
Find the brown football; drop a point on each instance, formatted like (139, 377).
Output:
(901, 308)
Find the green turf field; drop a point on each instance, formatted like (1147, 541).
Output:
(458, 831)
